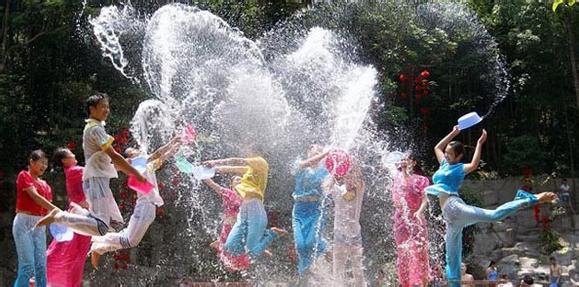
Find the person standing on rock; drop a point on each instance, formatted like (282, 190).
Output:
(457, 214)
(554, 273)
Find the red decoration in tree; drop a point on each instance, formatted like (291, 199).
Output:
(425, 74)
(527, 171)
(424, 111)
(402, 77)
(71, 145)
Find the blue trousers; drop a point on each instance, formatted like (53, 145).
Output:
(459, 215)
(31, 249)
(249, 234)
(308, 225)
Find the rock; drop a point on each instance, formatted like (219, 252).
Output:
(485, 243)
(509, 265)
(563, 256)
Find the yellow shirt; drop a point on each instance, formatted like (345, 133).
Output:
(255, 179)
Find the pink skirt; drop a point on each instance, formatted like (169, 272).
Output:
(65, 261)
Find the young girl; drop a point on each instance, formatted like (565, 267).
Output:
(33, 200)
(231, 203)
(65, 260)
(144, 212)
(410, 227)
(249, 234)
(307, 211)
(348, 194)
(447, 181)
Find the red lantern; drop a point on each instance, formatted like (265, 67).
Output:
(71, 145)
(402, 77)
(425, 74)
(424, 111)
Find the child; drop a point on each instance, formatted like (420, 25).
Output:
(65, 260)
(98, 171)
(33, 196)
(410, 227)
(447, 181)
(307, 211)
(144, 212)
(348, 194)
(231, 203)
(249, 234)
(492, 274)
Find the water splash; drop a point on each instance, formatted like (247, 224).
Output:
(461, 23)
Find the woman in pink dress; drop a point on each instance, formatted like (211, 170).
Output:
(231, 203)
(65, 260)
(410, 227)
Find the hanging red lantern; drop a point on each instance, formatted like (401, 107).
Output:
(402, 77)
(425, 74)
(71, 145)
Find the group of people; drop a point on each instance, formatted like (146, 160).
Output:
(244, 236)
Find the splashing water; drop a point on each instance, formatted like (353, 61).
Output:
(201, 71)
(459, 21)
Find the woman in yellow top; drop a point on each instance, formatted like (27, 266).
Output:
(249, 234)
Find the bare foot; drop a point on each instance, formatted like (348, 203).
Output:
(267, 253)
(279, 231)
(94, 259)
(48, 219)
(546, 197)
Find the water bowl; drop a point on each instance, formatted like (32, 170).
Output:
(183, 164)
(338, 162)
(142, 187)
(202, 172)
(469, 120)
(60, 232)
(139, 163)
(393, 158)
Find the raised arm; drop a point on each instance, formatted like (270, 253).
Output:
(235, 161)
(240, 170)
(312, 161)
(439, 148)
(473, 165)
(167, 150)
(123, 165)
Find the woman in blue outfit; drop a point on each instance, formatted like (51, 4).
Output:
(308, 220)
(457, 214)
